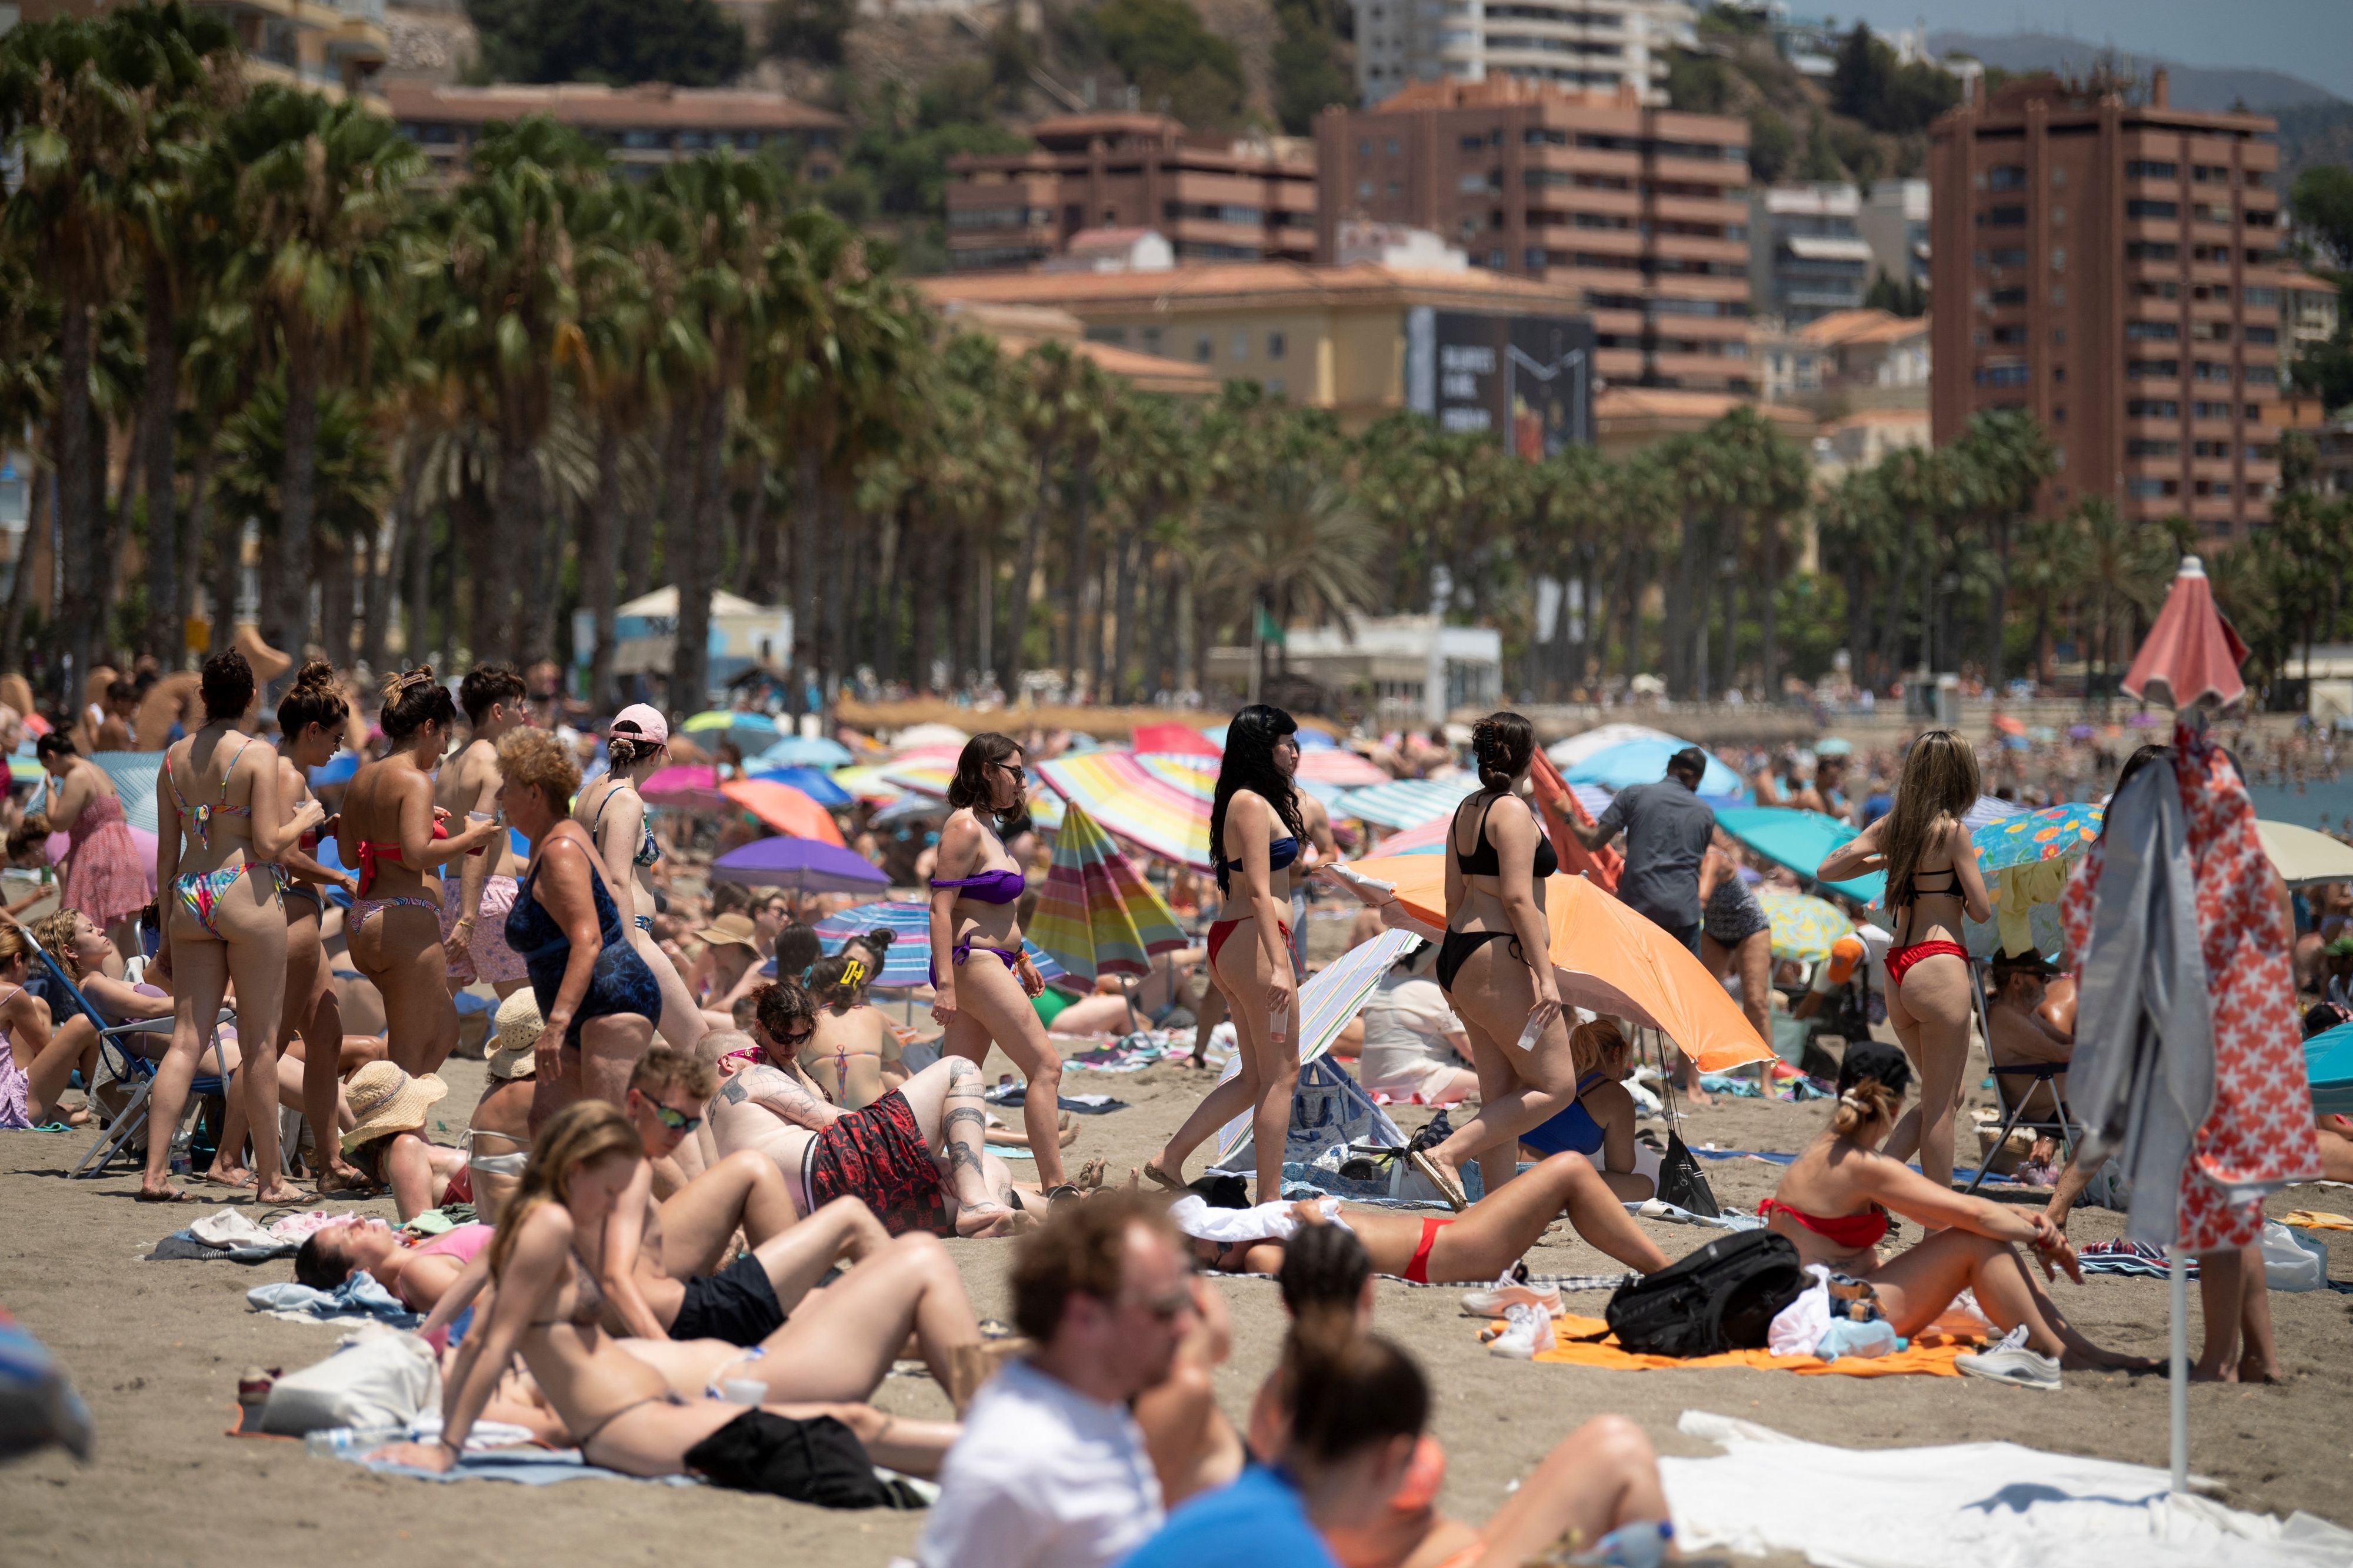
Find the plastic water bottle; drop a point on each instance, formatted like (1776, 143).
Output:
(182, 1162)
(1640, 1545)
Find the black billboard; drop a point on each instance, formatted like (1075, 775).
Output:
(1528, 379)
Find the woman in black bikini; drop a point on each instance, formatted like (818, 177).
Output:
(1495, 966)
(1255, 831)
(597, 994)
(1932, 880)
(312, 719)
(976, 884)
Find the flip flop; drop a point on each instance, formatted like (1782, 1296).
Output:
(168, 1195)
(1448, 1187)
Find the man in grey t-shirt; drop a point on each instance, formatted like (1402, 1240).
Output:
(1668, 829)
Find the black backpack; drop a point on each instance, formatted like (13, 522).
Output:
(1722, 1296)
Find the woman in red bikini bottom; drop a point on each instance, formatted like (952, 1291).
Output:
(1932, 880)
(1481, 1241)
(1255, 830)
(1835, 1201)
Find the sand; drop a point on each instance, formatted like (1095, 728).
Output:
(156, 1348)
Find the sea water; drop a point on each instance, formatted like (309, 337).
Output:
(2304, 805)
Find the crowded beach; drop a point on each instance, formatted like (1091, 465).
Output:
(1248, 1141)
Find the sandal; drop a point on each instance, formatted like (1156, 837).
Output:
(331, 1184)
(167, 1195)
(1152, 1170)
(1449, 1188)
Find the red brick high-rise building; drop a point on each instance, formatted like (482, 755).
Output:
(2114, 268)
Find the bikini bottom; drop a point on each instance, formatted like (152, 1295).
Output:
(1221, 930)
(1458, 947)
(363, 908)
(965, 949)
(200, 892)
(1417, 1271)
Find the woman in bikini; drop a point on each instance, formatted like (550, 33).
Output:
(1932, 881)
(609, 806)
(391, 832)
(103, 875)
(314, 718)
(1495, 966)
(34, 1062)
(596, 996)
(1835, 1200)
(974, 884)
(222, 820)
(854, 1056)
(622, 1413)
(1600, 1122)
(1255, 832)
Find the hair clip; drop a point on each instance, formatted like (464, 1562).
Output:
(853, 973)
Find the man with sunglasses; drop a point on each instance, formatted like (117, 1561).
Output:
(660, 1244)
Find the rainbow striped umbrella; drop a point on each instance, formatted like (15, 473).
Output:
(1333, 765)
(867, 783)
(1096, 914)
(932, 783)
(1408, 803)
(1160, 804)
(909, 962)
(1327, 1000)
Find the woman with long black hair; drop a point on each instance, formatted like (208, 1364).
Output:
(975, 885)
(1255, 829)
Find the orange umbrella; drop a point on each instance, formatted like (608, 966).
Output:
(1607, 957)
(783, 808)
(2010, 724)
(2191, 652)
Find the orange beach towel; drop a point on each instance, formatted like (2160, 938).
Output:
(1930, 1355)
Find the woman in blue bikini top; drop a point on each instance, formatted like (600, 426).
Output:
(984, 1001)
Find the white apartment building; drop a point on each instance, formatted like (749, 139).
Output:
(1894, 221)
(1807, 255)
(1576, 44)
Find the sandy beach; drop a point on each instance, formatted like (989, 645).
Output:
(156, 1348)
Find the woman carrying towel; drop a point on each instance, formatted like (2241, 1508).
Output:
(1495, 966)
(1932, 880)
(1255, 832)
(981, 981)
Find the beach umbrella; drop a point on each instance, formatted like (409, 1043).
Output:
(1427, 838)
(1631, 763)
(806, 752)
(2191, 652)
(1408, 803)
(1605, 956)
(341, 768)
(941, 759)
(783, 808)
(1989, 809)
(1159, 804)
(1311, 738)
(866, 781)
(1334, 766)
(916, 736)
(810, 865)
(1602, 737)
(2054, 833)
(908, 963)
(1096, 913)
(135, 774)
(2303, 857)
(2328, 1063)
(813, 782)
(910, 808)
(692, 786)
(1833, 746)
(1804, 928)
(930, 782)
(749, 731)
(1175, 740)
(1327, 1000)
(1799, 840)
(2081, 731)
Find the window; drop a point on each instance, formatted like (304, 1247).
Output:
(2207, 212)
(2151, 251)
(2148, 289)
(2151, 332)
(1241, 344)
(2210, 173)
(1397, 190)
(1365, 151)
(2151, 169)
(2013, 373)
(2210, 331)
(2005, 177)
(2262, 375)
(2140, 446)
(2220, 449)
(2140, 206)
(2149, 488)
(2254, 410)
(2260, 297)
(2210, 370)
(2152, 408)
(1473, 143)
(1204, 351)
(1533, 260)
(1152, 339)
(2014, 255)
(1365, 190)
(2003, 217)
(1274, 386)
(1276, 345)
(1390, 147)
(1475, 182)
(2263, 334)
(2152, 369)
(2211, 410)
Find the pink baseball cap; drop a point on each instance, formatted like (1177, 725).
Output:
(641, 721)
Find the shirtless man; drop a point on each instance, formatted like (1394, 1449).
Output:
(474, 904)
(2020, 1034)
(916, 1155)
(665, 1236)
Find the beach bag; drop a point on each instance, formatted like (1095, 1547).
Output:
(1722, 1296)
(378, 1378)
(1680, 1182)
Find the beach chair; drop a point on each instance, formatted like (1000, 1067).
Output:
(2013, 1097)
(124, 1064)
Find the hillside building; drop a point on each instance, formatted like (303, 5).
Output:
(1581, 45)
(641, 128)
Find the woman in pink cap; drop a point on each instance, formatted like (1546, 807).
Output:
(637, 744)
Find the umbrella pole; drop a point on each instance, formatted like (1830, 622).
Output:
(2180, 1380)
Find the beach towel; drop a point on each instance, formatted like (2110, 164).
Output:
(359, 1297)
(1974, 1505)
(1931, 1354)
(1077, 1104)
(2317, 1219)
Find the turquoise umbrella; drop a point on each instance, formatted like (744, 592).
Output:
(1798, 839)
(1631, 763)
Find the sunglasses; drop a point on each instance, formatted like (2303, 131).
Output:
(676, 1120)
(801, 1038)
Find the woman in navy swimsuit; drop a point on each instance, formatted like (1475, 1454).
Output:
(598, 995)
(983, 1000)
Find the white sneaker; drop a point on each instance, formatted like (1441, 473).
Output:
(2010, 1361)
(1504, 1294)
(1527, 1333)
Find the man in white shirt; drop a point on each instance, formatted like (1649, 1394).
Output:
(1051, 1470)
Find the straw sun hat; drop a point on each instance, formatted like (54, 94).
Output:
(387, 1099)
(514, 1047)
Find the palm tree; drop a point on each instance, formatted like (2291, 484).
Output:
(319, 192)
(1063, 402)
(2009, 458)
(1152, 477)
(28, 390)
(1297, 547)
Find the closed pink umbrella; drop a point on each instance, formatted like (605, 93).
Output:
(2191, 652)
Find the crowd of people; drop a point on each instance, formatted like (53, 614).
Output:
(711, 1182)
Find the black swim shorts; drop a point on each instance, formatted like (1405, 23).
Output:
(737, 1304)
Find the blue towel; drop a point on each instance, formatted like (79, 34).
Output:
(358, 1296)
(530, 1466)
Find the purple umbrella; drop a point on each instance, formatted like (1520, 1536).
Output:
(807, 863)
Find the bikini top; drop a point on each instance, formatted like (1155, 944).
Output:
(201, 815)
(370, 854)
(1482, 861)
(1280, 853)
(587, 1300)
(1850, 1230)
(1577, 1129)
(1000, 887)
(649, 851)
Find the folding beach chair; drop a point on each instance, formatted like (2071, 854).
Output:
(2013, 1096)
(124, 1064)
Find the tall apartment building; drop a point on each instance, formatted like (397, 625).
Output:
(1588, 45)
(2114, 268)
(1215, 198)
(1807, 255)
(333, 44)
(641, 127)
(1637, 215)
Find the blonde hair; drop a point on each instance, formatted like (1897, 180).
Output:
(55, 931)
(580, 1135)
(1590, 1042)
(537, 760)
(1938, 786)
(15, 946)
(1864, 1103)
